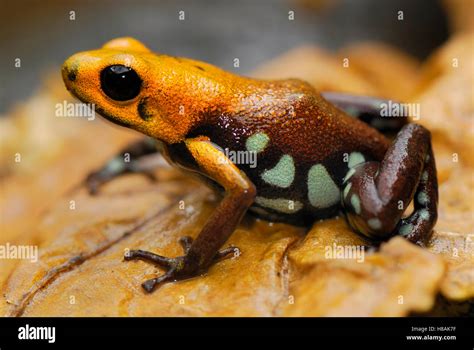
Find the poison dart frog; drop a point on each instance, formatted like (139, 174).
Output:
(316, 154)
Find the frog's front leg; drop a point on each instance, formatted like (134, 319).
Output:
(120, 164)
(376, 194)
(204, 250)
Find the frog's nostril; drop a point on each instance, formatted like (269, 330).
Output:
(71, 73)
(70, 69)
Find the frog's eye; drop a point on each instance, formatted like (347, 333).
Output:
(120, 83)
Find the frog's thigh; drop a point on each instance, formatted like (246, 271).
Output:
(375, 195)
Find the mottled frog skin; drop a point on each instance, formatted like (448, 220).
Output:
(279, 149)
(304, 146)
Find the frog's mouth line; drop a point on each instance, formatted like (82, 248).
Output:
(112, 120)
(103, 113)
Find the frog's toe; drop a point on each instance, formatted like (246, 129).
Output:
(150, 285)
(94, 181)
(224, 253)
(150, 257)
(176, 268)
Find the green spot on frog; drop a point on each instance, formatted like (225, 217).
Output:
(355, 158)
(406, 229)
(374, 224)
(349, 174)
(424, 176)
(280, 204)
(116, 164)
(423, 198)
(283, 174)
(355, 201)
(257, 142)
(347, 189)
(424, 215)
(322, 191)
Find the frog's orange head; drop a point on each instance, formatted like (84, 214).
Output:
(158, 95)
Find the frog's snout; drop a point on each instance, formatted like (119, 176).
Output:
(69, 70)
(69, 74)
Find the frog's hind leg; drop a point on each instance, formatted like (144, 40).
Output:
(417, 227)
(376, 194)
(367, 109)
(128, 160)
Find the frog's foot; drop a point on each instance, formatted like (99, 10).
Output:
(377, 194)
(177, 268)
(129, 160)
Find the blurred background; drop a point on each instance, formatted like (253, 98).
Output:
(42, 35)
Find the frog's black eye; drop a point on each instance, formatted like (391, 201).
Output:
(120, 83)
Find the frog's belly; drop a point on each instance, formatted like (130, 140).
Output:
(298, 194)
(297, 206)
(295, 189)
(304, 217)
(301, 193)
